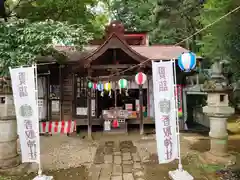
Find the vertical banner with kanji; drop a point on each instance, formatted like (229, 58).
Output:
(165, 111)
(25, 100)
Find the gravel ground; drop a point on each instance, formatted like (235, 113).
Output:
(61, 152)
(71, 157)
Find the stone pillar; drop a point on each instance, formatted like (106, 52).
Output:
(8, 133)
(218, 111)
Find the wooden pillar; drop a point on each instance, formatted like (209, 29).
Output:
(115, 95)
(141, 125)
(141, 109)
(48, 97)
(73, 95)
(61, 92)
(148, 97)
(115, 62)
(89, 108)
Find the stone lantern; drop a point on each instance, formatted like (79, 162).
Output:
(218, 111)
(8, 128)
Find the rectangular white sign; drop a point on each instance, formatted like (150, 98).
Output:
(165, 111)
(25, 100)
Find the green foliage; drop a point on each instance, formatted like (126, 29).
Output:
(22, 41)
(135, 14)
(175, 20)
(168, 21)
(73, 11)
(222, 40)
(212, 44)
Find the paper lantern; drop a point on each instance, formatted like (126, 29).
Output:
(90, 85)
(180, 113)
(122, 83)
(94, 85)
(140, 78)
(107, 86)
(187, 61)
(100, 87)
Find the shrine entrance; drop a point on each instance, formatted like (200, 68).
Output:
(114, 102)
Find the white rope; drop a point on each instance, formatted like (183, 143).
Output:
(189, 37)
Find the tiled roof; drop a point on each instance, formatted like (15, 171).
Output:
(159, 52)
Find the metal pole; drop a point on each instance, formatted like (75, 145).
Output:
(141, 109)
(176, 111)
(185, 108)
(37, 112)
(148, 98)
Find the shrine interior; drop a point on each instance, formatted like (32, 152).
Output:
(124, 97)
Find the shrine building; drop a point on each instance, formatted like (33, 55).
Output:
(74, 90)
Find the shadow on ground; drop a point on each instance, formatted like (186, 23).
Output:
(190, 163)
(79, 173)
(204, 145)
(216, 171)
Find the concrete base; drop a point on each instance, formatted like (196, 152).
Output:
(17, 170)
(209, 158)
(9, 163)
(43, 177)
(179, 175)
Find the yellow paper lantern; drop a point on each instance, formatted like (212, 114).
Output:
(107, 86)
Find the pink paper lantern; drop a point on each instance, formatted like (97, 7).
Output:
(94, 85)
(140, 78)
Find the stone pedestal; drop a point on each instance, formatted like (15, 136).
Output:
(8, 133)
(218, 111)
(218, 153)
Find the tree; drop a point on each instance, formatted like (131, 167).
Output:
(134, 14)
(212, 44)
(22, 41)
(72, 11)
(222, 40)
(32, 26)
(175, 20)
(168, 21)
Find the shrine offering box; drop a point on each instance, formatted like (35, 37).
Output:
(115, 120)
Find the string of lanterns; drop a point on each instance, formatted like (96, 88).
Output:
(140, 79)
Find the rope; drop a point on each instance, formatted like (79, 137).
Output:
(199, 31)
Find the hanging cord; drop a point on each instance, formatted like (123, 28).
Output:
(189, 37)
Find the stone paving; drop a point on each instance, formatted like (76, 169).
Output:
(117, 161)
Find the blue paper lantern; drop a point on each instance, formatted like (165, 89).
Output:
(100, 87)
(187, 61)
